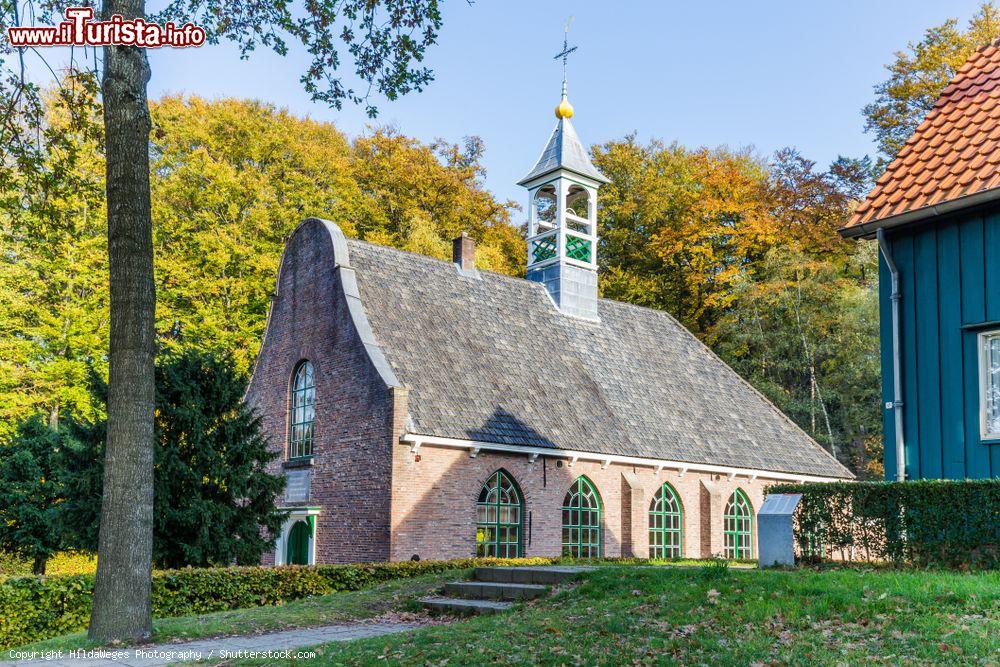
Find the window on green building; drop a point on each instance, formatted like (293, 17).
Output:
(581, 520)
(499, 512)
(301, 412)
(989, 385)
(738, 526)
(666, 524)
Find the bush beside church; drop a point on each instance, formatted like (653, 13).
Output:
(927, 523)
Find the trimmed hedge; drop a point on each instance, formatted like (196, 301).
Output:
(927, 523)
(34, 608)
(63, 562)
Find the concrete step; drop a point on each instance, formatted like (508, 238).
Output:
(553, 574)
(488, 590)
(462, 606)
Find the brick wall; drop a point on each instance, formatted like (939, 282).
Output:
(354, 423)
(434, 502)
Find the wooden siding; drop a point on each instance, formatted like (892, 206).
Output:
(950, 280)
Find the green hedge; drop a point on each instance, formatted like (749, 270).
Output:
(931, 523)
(34, 608)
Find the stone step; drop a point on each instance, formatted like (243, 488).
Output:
(462, 606)
(555, 574)
(489, 590)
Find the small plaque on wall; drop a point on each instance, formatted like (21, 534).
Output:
(297, 486)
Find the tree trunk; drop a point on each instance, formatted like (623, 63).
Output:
(122, 606)
(38, 564)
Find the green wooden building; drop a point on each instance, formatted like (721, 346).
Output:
(936, 215)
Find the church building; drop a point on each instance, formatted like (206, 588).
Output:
(427, 409)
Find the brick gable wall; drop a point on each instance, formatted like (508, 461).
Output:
(354, 422)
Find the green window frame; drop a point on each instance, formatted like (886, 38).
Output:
(544, 248)
(301, 412)
(666, 524)
(499, 516)
(581, 520)
(577, 248)
(738, 526)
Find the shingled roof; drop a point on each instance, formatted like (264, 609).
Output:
(489, 358)
(564, 151)
(951, 161)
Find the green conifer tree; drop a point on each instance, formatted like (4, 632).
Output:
(31, 491)
(215, 501)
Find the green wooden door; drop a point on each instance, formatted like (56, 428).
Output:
(298, 544)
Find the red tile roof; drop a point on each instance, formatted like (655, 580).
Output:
(953, 154)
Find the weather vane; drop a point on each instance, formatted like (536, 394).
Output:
(567, 49)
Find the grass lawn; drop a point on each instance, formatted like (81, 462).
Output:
(398, 595)
(648, 615)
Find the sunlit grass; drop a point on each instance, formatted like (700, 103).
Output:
(398, 595)
(718, 616)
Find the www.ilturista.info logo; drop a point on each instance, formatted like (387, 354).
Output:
(80, 29)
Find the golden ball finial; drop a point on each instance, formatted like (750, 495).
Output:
(564, 109)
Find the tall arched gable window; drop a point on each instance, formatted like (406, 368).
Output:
(301, 412)
(666, 524)
(738, 526)
(499, 513)
(581, 520)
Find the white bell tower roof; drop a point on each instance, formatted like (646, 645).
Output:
(564, 151)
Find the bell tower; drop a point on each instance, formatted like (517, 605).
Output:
(562, 214)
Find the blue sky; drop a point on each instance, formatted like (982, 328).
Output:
(765, 74)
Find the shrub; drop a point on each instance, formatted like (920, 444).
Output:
(62, 562)
(34, 608)
(937, 523)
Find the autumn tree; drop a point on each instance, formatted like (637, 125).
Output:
(744, 251)
(53, 282)
(810, 205)
(232, 179)
(679, 226)
(804, 331)
(419, 197)
(919, 73)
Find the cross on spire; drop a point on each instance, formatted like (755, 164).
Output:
(567, 49)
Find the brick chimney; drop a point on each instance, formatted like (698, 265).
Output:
(463, 253)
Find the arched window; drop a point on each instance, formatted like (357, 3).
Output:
(666, 524)
(545, 205)
(738, 526)
(301, 412)
(578, 202)
(581, 520)
(498, 518)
